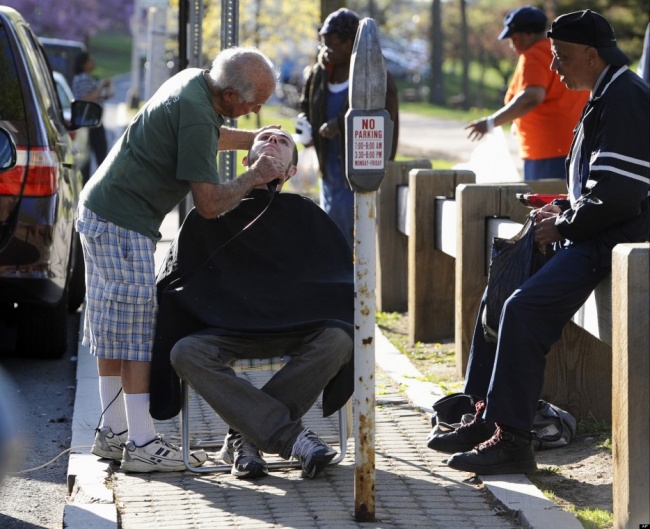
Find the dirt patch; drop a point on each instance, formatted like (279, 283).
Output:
(578, 476)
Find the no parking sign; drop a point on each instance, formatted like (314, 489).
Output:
(369, 136)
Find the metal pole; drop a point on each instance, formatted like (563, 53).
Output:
(364, 360)
(190, 38)
(368, 131)
(229, 38)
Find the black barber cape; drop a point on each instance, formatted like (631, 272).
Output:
(290, 270)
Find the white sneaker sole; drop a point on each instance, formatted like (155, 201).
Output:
(115, 455)
(135, 465)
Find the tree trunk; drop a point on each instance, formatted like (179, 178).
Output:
(436, 89)
(465, 54)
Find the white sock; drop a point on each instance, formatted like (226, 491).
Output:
(112, 404)
(141, 428)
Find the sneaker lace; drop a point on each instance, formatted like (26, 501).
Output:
(492, 441)
(162, 440)
(305, 443)
(244, 448)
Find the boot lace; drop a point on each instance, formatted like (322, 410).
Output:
(492, 441)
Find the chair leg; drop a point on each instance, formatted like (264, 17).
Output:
(343, 434)
(185, 437)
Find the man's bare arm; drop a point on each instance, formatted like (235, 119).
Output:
(212, 200)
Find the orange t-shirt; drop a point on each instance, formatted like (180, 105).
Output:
(547, 130)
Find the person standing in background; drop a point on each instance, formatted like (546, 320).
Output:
(542, 109)
(87, 87)
(324, 103)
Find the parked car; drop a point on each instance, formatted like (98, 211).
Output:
(62, 55)
(80, 138)
(41, 264)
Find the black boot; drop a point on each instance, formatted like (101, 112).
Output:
(506, 452)
(466, 437)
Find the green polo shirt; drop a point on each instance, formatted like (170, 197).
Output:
(172, 141)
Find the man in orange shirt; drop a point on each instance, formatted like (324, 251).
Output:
(543, 110)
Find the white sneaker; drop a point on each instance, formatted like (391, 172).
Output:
(108, 444)
(158, 456)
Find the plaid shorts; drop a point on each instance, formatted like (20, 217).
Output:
(121, 303)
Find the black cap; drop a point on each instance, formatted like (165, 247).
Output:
(589, 28)
(525, 19)
(342, 22)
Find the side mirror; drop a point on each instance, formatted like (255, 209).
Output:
(85, 114)
(7, 151)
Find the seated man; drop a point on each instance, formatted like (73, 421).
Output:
(608, 204)
(273, 277)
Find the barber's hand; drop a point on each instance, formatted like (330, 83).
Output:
(266, 169)
(330, 129)
(477, 129)
(256, 132)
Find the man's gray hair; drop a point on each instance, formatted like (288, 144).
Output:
(239, 68)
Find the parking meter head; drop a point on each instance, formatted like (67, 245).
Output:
(369, 128)
(367, 69)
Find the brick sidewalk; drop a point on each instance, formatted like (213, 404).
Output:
(413, 488)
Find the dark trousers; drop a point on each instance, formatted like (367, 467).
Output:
(509, 374)
(98, 143)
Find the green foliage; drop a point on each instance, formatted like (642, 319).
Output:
(112, 53)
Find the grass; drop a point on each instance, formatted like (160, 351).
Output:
(112, 53)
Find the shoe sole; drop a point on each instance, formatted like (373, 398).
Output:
(104, 454)
(135, 466)
(522, 467)
(258, 472)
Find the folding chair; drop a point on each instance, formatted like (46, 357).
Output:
(242, 366)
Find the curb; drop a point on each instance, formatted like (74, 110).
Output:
(91, 504)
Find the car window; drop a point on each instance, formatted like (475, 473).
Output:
(40, 73)
(11, 102)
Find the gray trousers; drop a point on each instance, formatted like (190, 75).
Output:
(269, 417)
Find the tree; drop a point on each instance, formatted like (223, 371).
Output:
(437, 88)
(73, 19)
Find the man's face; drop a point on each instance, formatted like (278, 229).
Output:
(571, 62)
(336, 51)
(276, 143)
(235, 106)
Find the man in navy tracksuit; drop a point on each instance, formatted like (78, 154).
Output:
(608, 176)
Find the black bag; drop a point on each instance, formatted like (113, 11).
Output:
(448, 412)
(513, 261)
(552, 426)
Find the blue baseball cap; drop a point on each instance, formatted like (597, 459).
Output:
(525, 19)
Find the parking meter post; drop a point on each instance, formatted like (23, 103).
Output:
(368, 137)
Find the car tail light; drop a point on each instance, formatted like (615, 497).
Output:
(42, 173)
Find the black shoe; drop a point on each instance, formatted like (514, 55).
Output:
(504, 453)
(466, 437)
(248, 462)
(313, 453)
